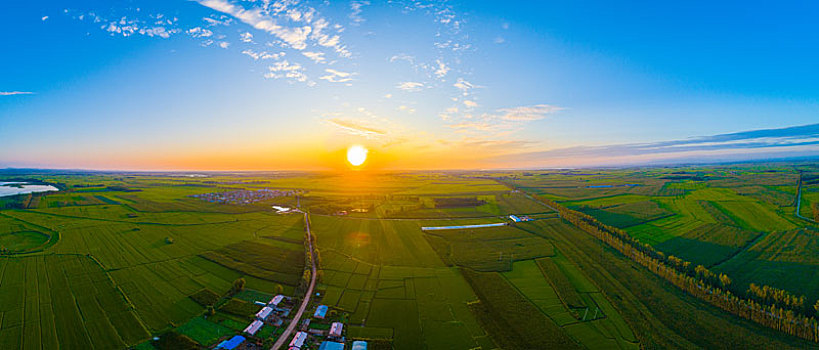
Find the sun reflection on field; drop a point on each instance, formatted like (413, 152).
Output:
(359, 239)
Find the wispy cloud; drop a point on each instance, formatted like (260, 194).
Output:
(199, 32)
(501, 122)
(317, 57)
(410, 86)
(528, 113)
(294, 26)
(797, 140)
(335, 76)
(44, 18)
(263, 55)
(355, 127)
(402, 57)
(11, 93)
(441, 69)
(356, 7)
(285, 69)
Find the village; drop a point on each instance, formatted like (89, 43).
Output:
(325, 330)
(244, 196)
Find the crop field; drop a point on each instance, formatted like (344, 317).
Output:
(737, 220)
(64, 299)
(112, 260)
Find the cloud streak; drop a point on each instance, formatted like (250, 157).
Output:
(746, 144)
(12, 93)
(355, 128)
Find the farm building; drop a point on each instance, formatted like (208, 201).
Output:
(336, 328)
(276, 300)
(461, 227)
(264, 312)
(298, 341)
(321, 312)
(515, 218)
(305, 324)
(331, 345)
(359, 345)
(254, 327)
(232, 343)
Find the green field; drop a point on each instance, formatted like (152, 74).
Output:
(115, 259)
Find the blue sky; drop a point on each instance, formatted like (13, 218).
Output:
(231, 84)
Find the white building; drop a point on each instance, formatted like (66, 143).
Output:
(264, 312)
(254, 327)
(336, 328)
(276, 300)
(298, 341)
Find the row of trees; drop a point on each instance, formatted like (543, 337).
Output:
(771, 307)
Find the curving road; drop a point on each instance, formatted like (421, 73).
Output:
(295, 322)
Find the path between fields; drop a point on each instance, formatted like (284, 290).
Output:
(799, 200)
(292, 326)
(430, 219)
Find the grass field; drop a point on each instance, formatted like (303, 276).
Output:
(114, 259)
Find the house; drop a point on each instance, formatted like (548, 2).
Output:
(276, 300)
(359, 345)
(321, 312)
(232, 343)
(331, 345)
(515, 218)
(305, 324)
(298, 341)
(254, 327)
(336, 328)
(264, 312)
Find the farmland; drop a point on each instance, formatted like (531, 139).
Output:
(114, 259)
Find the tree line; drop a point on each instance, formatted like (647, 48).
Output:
(772, 307)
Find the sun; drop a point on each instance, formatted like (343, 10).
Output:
(356, 155)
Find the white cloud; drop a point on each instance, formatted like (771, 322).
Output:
(263, 55)
(463, 85)
(410, 86)
(356, 127)
(337, 76)
(406, 109)
(10, 93)
(220, 21)
(284, 69)
(317, 57)
(44, 18)
(355, 15)
(128, 27)
(500, 40)
(528, 113)
(294, 36)
(199, 32)
(442, 69)
(469, 103)
(246, 37)
(388, 96)
(224, 44)
(403, 57)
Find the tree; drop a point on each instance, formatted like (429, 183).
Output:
(238, 286)
(279, 289)
(816, 306)
(724, 280)
(210, 311)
